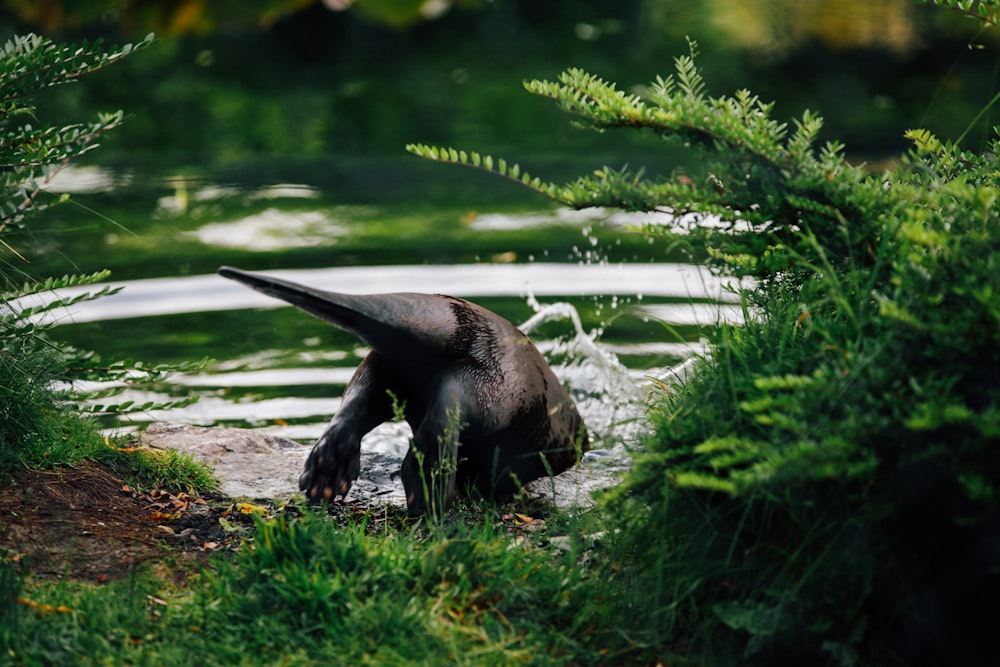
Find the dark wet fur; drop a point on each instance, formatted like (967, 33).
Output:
(437, 355)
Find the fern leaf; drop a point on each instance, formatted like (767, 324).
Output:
(498, 166)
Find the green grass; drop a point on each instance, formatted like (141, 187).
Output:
(305, 591)
(39, 431)
(145, 468)
(34, 429)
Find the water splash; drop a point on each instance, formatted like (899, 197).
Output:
(609, 398)
(591, 368)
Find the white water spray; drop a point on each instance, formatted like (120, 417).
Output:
(609, 399)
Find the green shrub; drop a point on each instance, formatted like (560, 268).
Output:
(39, 394)
(824, 490)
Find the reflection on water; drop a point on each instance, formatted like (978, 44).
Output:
(210, 293)
(273, 229)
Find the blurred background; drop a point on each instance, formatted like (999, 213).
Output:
(234, 80)
(271, 134)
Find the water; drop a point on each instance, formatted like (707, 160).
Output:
(606, 317)
(583, 360)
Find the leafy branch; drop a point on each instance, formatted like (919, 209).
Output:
(496, 166)
(757, 172)
(987, 12)
(34, 368)
(32, 63)
(31, 156)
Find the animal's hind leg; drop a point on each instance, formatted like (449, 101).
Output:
(335, 460)
(430, 467)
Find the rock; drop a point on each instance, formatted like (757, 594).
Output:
(248, 463)
(575, 487)
(254, 464)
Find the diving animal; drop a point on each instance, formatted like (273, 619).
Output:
(486, 410)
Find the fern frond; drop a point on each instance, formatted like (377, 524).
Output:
(130, 407)
(591, 98)
(56, 283)
(487, 163)
(807, 129)
(22, 305)
(689, 77)
(704, 482)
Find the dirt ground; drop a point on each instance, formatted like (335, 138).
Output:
(85, 523)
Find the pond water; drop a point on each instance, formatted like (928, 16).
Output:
(609, 320)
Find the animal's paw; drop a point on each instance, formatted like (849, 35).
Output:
(330, 470)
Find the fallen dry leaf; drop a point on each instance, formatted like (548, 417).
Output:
(247, 508)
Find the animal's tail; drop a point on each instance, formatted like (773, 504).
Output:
(339, 309)
(382, 320)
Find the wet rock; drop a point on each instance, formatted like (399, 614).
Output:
(254, 464)
(599, 469)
